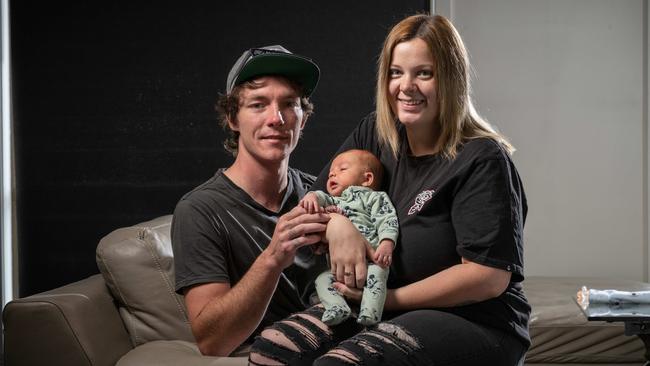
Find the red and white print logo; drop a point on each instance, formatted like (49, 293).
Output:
(420, 200)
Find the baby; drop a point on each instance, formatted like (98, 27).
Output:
(354, 177)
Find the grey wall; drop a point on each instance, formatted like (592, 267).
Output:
(566, 80)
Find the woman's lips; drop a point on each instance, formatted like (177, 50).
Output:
(411, 104)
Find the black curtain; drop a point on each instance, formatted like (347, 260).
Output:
(113, 107)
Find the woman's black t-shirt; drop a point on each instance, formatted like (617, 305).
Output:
(472, 206)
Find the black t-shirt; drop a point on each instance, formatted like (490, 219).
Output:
(218, 231)
(472, 206)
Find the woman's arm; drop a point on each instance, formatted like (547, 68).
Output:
(459, 285)
(347, 248)
(462, 284)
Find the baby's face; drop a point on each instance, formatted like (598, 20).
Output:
(346, 170)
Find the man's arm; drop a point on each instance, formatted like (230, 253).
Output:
(223, 317)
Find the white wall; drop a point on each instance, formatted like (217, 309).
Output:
(564, 79)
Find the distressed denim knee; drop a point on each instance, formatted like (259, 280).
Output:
(387, 343)
(297, 340)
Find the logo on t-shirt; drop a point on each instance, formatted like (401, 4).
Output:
(420, 200)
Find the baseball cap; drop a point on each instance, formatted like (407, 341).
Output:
(274, 60)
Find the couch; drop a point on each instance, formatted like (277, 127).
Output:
(130, 315)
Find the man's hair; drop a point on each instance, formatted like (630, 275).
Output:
(227, 106)
(458, 119)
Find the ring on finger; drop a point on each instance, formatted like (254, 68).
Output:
(347, 274)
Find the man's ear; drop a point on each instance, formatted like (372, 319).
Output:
(232, 123)
(368, 179)
(304, 122)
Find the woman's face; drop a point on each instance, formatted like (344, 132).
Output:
(412, 86)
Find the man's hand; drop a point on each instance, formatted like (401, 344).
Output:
(347, 251)
(310, 203)
(294, 229)
(384, 253)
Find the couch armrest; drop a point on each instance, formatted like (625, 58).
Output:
(77, 324)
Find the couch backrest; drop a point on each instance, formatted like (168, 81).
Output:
(138, 267)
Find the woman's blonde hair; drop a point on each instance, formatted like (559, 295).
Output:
(457, 116)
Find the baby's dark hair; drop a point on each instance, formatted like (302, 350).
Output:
(372, 164)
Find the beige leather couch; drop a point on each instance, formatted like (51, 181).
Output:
(130, 315)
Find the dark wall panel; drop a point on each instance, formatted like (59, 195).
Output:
(113, 107)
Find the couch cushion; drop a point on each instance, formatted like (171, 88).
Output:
(174, 353)
(137, 265)
(561, 333)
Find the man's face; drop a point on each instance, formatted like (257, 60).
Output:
(269, 120)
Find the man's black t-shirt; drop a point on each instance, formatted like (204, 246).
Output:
(218, 231)
(472, 206)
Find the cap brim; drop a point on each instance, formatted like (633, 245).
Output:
(293, 67)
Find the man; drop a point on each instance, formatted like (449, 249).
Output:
(241, 243)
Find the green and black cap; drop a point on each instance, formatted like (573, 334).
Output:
(274, 60)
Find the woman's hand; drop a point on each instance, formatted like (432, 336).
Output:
(347, 251)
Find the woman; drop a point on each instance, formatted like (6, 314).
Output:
(456, 296)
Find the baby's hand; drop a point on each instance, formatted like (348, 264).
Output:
(384, 253)
(310, 203)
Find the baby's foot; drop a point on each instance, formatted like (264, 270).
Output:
(336, 314)
(367, 317)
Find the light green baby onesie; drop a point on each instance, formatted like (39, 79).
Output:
(374, 216)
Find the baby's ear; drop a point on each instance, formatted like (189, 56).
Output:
(368, 179)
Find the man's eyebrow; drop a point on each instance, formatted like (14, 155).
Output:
(255, 97)
(290, 96)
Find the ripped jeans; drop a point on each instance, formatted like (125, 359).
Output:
(420, 337)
